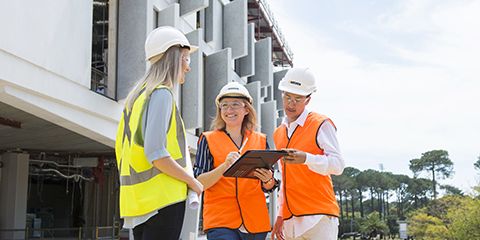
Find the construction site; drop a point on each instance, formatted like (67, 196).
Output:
(66, 68)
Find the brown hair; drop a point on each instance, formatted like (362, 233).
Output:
(249, 121)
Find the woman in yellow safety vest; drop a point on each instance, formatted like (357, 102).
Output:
(233, 208)
(152, 156)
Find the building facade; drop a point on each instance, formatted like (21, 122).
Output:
(65, 70)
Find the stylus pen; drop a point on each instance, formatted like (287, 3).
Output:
(243, 145)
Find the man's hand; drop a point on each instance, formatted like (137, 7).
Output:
(294, 156)
(278, 229)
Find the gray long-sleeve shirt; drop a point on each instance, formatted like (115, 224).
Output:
(155, 124)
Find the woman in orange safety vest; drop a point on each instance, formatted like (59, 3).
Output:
(233, 208)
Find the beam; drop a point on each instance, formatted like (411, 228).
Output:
(10, 123)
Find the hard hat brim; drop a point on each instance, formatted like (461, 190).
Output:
(232, 95)
(193, 48)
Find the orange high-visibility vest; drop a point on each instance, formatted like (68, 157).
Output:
(305, 192)
(233, 201)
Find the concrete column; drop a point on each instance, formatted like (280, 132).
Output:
(235, 28)
(254, 90)
(13, 194)
(245, 66)
(277, 94)
(191, 6)
(169, 16)
(268, 114)
(263, 63)
(218, 72)
(132, 32)
(192, 89)
(214, 24)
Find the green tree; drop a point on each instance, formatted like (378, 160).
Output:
(351, 187)
(372, 183)
(418, 189)
(362, 185)
(449, 217)
(439, 208)
(451, 190)
(401, 193)
(423, 226)
(340, 184)
(477, 164)
(392, 223)
(389, 183)
(465, 219)
(437, 163)
(476, 192)
(372, 225)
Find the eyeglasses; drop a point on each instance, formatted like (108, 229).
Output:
(187, 59)
(294, 100)
(234, 105)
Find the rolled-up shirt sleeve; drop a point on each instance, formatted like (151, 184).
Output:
(332, 161)
(155, 124)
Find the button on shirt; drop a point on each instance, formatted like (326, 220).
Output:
(329, 163)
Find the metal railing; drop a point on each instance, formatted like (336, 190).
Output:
(99, 81)
(106, 232)
(276, 29)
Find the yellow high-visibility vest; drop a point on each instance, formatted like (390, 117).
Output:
(144, 188)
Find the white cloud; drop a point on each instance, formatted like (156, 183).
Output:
(451, 33)
(391, 112)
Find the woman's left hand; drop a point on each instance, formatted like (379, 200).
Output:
(263, 174)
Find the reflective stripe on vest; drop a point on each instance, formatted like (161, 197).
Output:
(144, 188)
(305, 192)
(231, 202)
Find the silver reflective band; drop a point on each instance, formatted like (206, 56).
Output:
(135, 178)
(144, 176)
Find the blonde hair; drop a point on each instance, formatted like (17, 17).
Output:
(165, 70)
(249, 121)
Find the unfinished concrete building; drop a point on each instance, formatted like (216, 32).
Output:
(65, 69)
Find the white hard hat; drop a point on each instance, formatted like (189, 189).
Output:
(233, 89)
(162, 38)
(298, 81)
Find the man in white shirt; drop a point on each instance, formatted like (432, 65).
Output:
(307, 203)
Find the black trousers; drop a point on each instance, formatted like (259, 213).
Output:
(166, 224)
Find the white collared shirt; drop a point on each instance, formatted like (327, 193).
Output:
(329, 163)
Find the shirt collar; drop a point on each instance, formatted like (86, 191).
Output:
(300, 120)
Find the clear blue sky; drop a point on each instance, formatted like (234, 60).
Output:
(399, 78)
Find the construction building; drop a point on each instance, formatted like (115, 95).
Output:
(65, 70)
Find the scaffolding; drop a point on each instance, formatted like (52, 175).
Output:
(266, 26)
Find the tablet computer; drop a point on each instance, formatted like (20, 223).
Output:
(252, 159)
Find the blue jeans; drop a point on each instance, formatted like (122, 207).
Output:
(233, 234)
